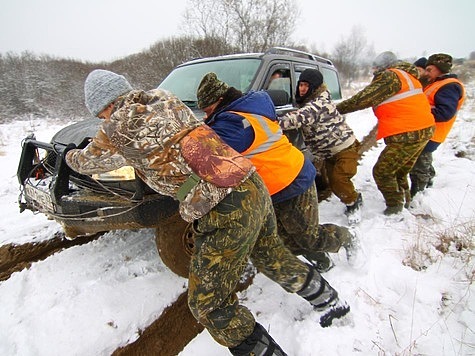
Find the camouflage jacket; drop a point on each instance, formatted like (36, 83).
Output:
(148, 131)
(384, 85)
(325, 129)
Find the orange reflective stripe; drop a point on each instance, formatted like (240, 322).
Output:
(277, 161)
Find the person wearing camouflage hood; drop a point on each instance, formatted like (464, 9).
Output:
(247, 122)
(218, 190)
(328, 137)
(404, 121)
(446, 95)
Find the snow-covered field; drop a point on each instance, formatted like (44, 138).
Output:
(91, 299)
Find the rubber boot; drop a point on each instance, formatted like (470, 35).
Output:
(324, 298)
(258, 343)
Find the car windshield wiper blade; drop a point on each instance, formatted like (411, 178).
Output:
(190, 103)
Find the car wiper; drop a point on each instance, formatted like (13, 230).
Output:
(189, 103)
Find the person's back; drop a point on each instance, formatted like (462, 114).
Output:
(404, 121)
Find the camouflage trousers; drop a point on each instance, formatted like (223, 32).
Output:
(396, 161)
(340, 168)
(241, 227)
(298, 225)
(422, 172)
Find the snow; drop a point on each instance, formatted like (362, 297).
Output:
(409, 298)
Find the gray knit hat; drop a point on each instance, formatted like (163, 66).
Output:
(385, 60)
(210, 90)
(102, 88)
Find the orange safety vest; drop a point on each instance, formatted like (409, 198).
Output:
(408, 110)
(442, 128)
(277, 161)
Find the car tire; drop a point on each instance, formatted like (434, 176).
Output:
(175, 243)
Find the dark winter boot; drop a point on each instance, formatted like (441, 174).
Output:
(323, 298)
(259, 343)
(407, 198)
(430, 183)
(320, 260)
(416, 187)
(354, 251)
(353, 211)
(392, 210)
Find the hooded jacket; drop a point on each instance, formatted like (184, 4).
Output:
(238, 132)
(159, 136)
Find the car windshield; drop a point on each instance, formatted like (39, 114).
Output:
(237, 72)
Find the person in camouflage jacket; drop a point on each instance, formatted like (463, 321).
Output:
(327, 135)
(404, 121)
(219, 191)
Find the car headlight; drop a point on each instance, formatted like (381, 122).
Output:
(123, 173)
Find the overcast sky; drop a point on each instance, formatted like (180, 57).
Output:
(103, 30)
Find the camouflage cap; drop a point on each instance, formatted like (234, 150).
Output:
(442, 61)
(210, 90)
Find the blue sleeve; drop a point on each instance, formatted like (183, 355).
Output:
(232, 132)
(446, 100)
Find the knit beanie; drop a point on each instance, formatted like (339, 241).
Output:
(442, 61)
(102, 88)
(314, 78)
(384, 60)
(421, 62)
(210, 90)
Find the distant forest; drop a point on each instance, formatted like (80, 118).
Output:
(45, 86)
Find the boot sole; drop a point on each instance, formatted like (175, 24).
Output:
(327, 319)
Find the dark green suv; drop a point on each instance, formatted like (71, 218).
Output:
(85, 205)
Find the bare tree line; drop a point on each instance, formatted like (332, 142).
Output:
(52, 87)
(45, 86)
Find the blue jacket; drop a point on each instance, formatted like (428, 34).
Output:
(446, 99)
(231, 128)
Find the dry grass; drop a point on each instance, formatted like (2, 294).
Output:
(431, 244)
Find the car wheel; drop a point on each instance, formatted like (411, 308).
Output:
(175, 243)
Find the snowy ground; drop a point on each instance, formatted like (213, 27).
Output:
(91, 299)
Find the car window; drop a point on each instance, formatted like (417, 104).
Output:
(279, 80)
(330, 77)
(183, 81)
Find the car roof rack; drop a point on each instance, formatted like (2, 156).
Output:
(297, 53)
